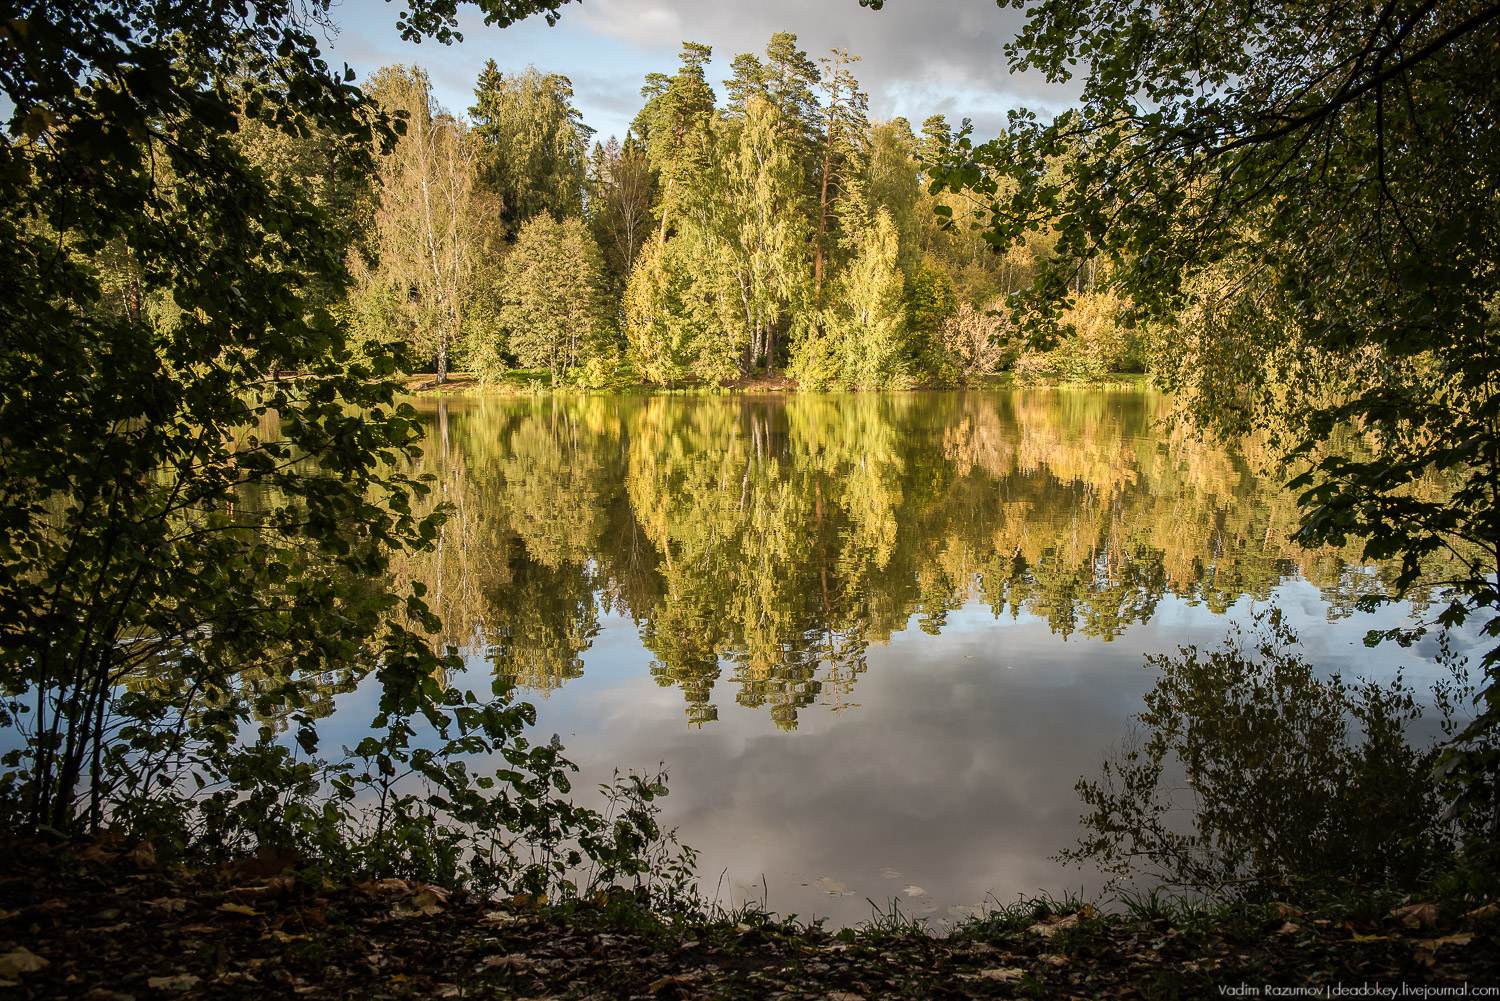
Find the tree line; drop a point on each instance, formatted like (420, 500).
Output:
(778, 232)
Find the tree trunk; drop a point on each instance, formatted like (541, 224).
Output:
(822, 221)
(666, 205)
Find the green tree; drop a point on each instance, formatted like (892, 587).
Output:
(533, 144)
(657, 331)
(197, 511)
(930, 303)
(431, 224)
(767, 233)
(553, 304)
(844, 131)
(891, 184)
(674, 125)
(868, 318)
(789, 80)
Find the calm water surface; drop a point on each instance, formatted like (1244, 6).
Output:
(876, 639)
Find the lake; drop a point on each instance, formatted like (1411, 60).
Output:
(876, 639)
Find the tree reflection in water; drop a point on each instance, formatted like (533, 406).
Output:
(1255, 775)
(769, 541)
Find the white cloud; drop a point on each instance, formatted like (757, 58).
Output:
(919, 57)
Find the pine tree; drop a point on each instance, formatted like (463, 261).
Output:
(844, 130)
(673, 126)
(534, 143)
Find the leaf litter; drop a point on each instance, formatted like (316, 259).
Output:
(229, 933)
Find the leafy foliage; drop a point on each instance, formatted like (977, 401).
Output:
(533, 144)
(1302, 197)
(551, 295)
(204, 482)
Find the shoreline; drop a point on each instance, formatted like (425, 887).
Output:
(464, 384)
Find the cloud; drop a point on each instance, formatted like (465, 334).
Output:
(918, 57)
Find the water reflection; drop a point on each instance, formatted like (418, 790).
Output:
(768, 543)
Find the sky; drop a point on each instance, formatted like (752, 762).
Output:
(918, 57)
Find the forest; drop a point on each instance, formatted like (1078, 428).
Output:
(781, 232)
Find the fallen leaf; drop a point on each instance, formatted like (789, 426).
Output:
(429, 900)
(843, 996)
(1003, 974)
(436, 892)
(1284, 910)
(1486, 913)
(171, 905)
(529, 900)
(913, 890)
(1289, 929)
(143, 855)
(1416, 915)
(18, 961)
(1357, 937)
(672, 986)
(181, 982)
(514, 961)
(1053, 959)
(238, 909)
(1434, 944)
(498, 919)
(1057, 923)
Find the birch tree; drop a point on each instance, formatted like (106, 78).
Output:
(768, 240)
(431, 221)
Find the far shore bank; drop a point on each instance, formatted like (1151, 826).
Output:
(525, 383)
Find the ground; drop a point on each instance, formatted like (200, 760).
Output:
(100, 922)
